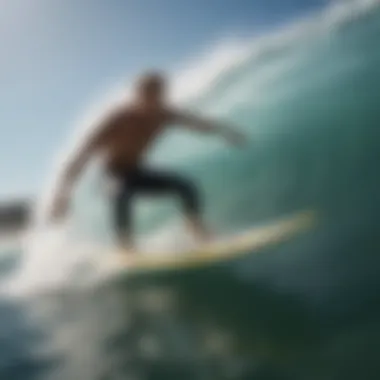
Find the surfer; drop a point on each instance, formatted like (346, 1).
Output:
(122, 138)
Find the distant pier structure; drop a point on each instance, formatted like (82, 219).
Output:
(14, 215)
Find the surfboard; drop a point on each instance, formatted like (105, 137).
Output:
(230, 247)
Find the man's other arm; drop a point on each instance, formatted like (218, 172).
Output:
(75, 165)
(200, 124)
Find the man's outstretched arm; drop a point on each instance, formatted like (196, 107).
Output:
(201, 124)
(74, 167)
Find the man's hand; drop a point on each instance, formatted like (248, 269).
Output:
(59, 208)
(196, 123)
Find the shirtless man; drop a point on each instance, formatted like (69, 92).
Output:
(123, 138)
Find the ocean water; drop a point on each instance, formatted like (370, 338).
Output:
(307, 96)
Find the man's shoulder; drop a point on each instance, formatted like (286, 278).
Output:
(131, 111)
(118, 114)
(120, 110)
(172, 113)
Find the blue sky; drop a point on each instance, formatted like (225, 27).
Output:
(56, 54)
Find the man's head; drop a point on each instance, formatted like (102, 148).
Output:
(151, 88)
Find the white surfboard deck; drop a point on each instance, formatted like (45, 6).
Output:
(226, 248)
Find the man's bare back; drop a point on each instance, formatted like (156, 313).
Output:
(123, 138)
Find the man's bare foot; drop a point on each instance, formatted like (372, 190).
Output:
(199, 231)
(125, 256)
(126, 250)
(125, 244)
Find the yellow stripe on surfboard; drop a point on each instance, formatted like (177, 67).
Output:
(251, 240)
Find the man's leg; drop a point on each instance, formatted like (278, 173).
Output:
(160, 183)
(122, 218)
(191, 203)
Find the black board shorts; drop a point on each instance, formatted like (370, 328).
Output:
(144, 181)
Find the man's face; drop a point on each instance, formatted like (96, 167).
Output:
(153, 93)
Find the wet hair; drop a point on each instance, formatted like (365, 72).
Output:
(151, 79)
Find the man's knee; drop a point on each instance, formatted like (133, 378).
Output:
(122, 210)
(189, 194)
